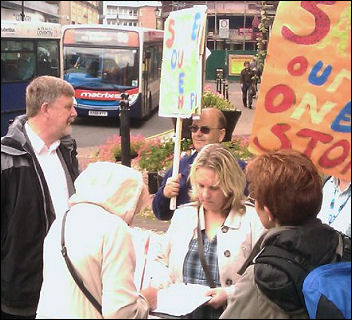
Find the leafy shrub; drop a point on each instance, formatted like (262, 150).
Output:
(239, 147)
(215, 100)
(156, 155)
(111, 149)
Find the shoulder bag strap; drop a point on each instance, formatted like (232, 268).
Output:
(72, 270)
(208, 275)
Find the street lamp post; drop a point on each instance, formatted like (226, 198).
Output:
(125, 130)
(22, 11)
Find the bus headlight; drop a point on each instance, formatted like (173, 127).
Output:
(133, 98)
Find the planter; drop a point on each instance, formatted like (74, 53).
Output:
(232, 117)
(154, 182)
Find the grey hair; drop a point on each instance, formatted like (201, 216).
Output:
(45, 89)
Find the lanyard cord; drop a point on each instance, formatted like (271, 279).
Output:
(334, 213)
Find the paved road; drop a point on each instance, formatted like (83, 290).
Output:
(93, 131)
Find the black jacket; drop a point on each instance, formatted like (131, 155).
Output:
(277, 271)
(246, 77)
(26, 216)
(271, 285)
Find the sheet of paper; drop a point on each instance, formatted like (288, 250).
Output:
(181, 299)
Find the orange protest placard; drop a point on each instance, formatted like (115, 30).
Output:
(305, 96)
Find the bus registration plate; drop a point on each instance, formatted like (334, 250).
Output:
(98, 113)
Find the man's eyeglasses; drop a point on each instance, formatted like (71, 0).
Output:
(203, 129)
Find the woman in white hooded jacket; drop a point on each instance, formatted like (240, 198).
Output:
(100, 248)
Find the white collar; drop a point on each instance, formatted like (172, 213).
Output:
(233, 219)
(336, 183)
(37, 142)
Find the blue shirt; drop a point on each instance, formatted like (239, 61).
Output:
(161, 204)
(193, 272)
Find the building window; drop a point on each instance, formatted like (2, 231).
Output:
(112, 10)
(252, 6)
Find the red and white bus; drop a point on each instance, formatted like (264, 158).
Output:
(103, 61)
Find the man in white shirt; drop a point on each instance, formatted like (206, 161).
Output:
(38, 168)
(336, 207)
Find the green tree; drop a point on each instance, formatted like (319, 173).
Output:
(266, 21)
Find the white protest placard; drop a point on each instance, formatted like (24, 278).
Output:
(182, 66)
(182, 70)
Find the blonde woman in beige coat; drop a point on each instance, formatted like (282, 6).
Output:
(229, 228)
(99, 245)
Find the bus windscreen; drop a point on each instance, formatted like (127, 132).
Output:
(101, 68)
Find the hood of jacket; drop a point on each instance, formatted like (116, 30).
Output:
(15, 140)
(310, 245)
(117, 188)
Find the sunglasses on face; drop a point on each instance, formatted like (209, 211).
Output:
(203, 129)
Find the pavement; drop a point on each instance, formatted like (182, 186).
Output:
(244, 124)
(146, 220)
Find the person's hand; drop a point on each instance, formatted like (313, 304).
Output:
(172, 187)
(150, 295)
(219, 297)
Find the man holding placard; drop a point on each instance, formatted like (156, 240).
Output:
(182, 73)
(210, 128)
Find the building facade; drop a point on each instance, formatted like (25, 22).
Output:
(132, 13)
(232, 25)
(31, 11)
(79, 12)
(233, 28)
(63, 12)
